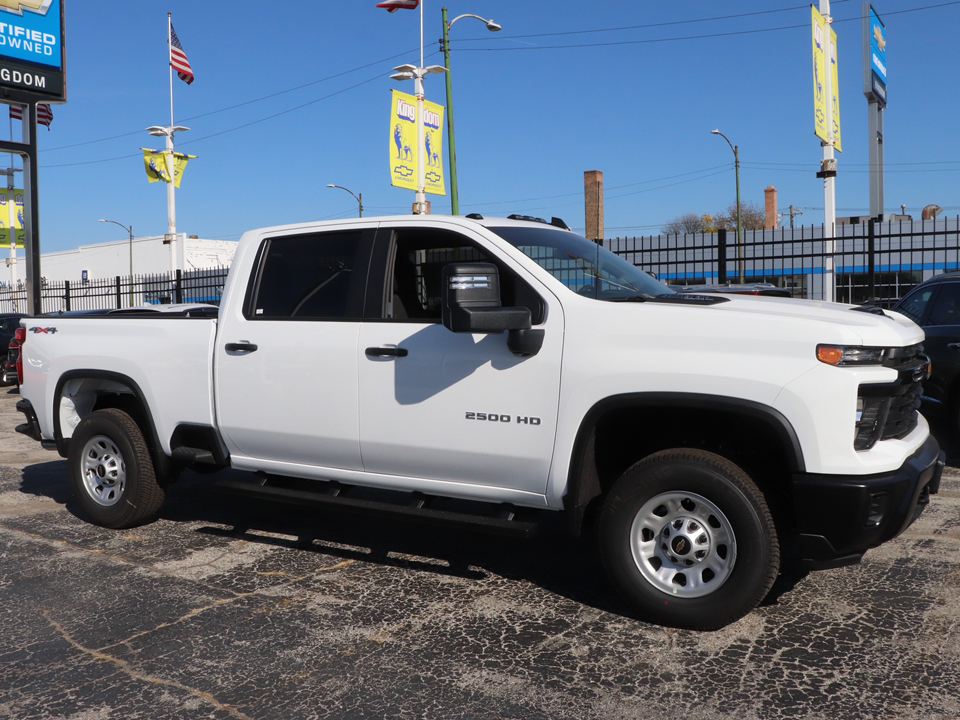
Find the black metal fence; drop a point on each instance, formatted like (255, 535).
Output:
(190, 286)
(870, 262)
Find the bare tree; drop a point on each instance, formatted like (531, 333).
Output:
(687, 224)
(752, 217)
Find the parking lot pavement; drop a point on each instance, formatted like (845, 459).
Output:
(229, 608)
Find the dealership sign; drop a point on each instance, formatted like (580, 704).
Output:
(874, 56)
(31, 47)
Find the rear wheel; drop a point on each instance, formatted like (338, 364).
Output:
(111, 471)
(688, 539)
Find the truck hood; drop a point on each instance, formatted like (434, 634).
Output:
(850, 325)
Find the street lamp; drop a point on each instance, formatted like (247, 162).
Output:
(452, 150)
(412, 72)
(130, 231)
(167, 133)
(417, 73)
(736, 160)
(358, 198)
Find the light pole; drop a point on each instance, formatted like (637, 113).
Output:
(130, 232)
(415, 73)
(358, 198)
(167, 133)
(408, 72)
(736, 162)
(452, 150)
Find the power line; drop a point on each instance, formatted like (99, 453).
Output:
(707, 36)
(614, 187)
(238, 105)
(653, 25)
(224, 132)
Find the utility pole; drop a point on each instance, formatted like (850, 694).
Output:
(794, 211)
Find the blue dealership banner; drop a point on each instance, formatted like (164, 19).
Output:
(30, 31)
(874, 56)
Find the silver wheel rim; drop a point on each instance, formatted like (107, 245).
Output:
(104, 471)
(683, 544)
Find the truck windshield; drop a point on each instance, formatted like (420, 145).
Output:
(585, 267)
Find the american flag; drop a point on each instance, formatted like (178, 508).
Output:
(394, 5)
(178, 58)
(44, 114)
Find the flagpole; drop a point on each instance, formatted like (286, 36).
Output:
(421, 153)
(12, 225)
(171, 189)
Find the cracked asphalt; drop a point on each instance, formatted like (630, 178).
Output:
(230, 608)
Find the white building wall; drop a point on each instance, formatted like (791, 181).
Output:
(150, 256)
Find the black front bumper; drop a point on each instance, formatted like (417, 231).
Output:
(840, 517)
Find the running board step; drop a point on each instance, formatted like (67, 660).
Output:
(192, 455)
(417, 507)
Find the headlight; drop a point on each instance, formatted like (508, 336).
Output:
(850, 355)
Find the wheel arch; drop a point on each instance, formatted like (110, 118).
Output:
(619, 430)
(99, 389)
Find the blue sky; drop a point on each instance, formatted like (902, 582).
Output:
(291, 96)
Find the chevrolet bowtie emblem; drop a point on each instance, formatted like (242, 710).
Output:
(18, 6)
(878, 36)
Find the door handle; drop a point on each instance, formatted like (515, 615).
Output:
(243, 347)
(386, 352)
(953, 346)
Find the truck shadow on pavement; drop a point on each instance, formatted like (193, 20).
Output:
(552, 560)
(48, 480)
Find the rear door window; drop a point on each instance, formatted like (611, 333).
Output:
(316, 276)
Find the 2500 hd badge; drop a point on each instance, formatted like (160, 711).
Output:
(493, 417)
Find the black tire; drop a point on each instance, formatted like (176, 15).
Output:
(111, 471)
(688, 540)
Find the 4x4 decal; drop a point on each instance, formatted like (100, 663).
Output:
(44, 331)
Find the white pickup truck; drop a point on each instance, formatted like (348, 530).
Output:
(706, 439)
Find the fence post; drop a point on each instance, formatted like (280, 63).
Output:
(118, 292)
(66, 294)
(871, 262)
(721, 256)
(179, 286)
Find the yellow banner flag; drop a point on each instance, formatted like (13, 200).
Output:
(404, 155)
(156, 164)
(819, 76)
(179, 166)
(11, 218)
(835, 74)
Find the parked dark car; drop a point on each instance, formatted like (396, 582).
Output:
(746, 289)
(9, 322)
(935, 306)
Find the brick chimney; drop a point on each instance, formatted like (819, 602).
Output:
(770, 201)
(593, 204)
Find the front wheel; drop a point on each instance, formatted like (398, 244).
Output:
(687, 538)
(111, 470)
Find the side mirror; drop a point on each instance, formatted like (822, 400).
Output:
(471, 304)
(471, 301)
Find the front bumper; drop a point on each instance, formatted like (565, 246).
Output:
(840, 517)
